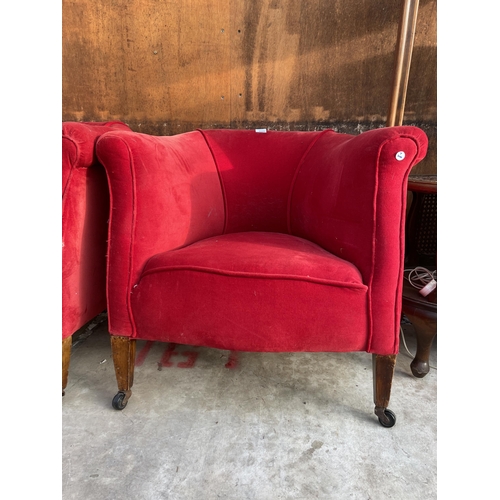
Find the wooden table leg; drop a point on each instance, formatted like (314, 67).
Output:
(425, 331)
(422, 313)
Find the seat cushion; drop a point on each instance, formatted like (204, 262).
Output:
(252, 291)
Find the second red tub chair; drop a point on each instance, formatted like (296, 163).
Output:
(85, 213)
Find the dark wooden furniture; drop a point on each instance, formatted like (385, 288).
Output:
(421, 250)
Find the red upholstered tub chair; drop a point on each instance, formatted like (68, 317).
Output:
(85, 212)
(277, 241)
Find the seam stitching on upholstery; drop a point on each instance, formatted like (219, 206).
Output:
(242, 274)
(202, 132)
(132, 240)
(108, 245)
(374, 237)
(401, 258)
(296, 173)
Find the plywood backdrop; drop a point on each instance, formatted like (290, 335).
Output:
(169, 66)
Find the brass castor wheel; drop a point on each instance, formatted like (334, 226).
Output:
(386, 417)
(120, 400)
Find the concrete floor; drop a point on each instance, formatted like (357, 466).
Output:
(210, 424)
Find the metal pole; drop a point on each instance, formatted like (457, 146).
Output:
(404, 49)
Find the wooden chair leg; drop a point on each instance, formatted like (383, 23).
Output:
(123, 351)
(66, 354)
(383, 372)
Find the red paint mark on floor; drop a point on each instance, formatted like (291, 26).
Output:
(189, 363)
(232, 362)
(169, 352)
(166, 360)
(143, 353)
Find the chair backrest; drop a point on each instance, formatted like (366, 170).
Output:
(257, 172)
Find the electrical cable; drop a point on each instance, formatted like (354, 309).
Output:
(420, 277)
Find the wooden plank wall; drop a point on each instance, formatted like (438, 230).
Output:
(169, 66)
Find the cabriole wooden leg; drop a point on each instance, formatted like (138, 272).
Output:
(123, 350)
(66, 354)
(425, 331)
(383, 372)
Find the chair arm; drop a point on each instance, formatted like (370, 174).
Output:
(349, 196)
(165, 193)
(85, 211)
(78, 145)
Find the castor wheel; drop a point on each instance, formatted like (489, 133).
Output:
(120, 400)
(386, 417)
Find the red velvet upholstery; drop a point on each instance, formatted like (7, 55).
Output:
(284, 241)
(85, 212)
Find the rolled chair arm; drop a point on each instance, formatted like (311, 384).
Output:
(166, 186)
(349, 196)
(76, 137)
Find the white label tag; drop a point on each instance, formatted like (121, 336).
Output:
(261, 130)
